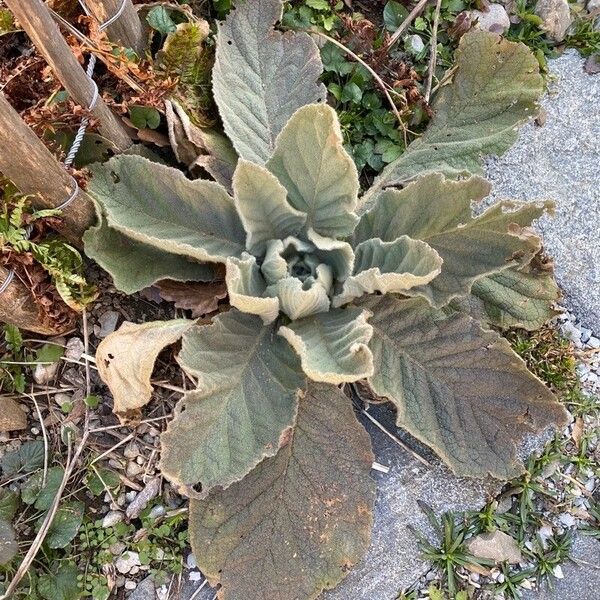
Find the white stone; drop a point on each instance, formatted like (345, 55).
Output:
(414, 44)
(127, 562)
(74, 349)
(190, 561)
(558, 572)
(43, 374)
(494, 19)
(593, 5)
(567, 519)
(112, 518)
(130, 585)
(556, 15)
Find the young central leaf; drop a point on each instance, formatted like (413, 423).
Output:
(319, 175)
(300, 520)
(261, 202)
(245, 404)
(333, 346)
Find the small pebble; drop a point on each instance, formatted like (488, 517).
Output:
(130, 585)
(112, 518)
(127, 562)
(74, 349)
(190, 561)
(157, 511)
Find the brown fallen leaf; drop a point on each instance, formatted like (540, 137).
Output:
(201, 298)
(125, 360)
(577, 432)
(12, 418)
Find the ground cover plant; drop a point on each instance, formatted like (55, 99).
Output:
(325, 288)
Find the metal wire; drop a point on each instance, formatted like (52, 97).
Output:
(80, 131)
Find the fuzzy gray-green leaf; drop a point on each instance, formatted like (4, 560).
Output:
(457, 388)
(261, 76)
(247, 287)
(320, 176)
(333, 346)
(249, 380)
(390, 268)
(158, 206)
(517, 297)
(261, 202)
(438, 211)
(495, 88)
(133, 265)
(296, 523)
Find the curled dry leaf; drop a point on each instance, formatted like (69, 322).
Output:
(200, 298)
(125, 361)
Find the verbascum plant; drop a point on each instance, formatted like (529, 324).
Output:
(395, 288)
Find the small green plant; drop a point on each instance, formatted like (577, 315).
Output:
(451, 553)
(304, 14)
(18, 358)
(61, 261)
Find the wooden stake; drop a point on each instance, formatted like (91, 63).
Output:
(18, 308)
(127, 29)
(34, 170)
(34, 17)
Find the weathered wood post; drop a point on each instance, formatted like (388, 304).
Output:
(36, 20)
(34, 170)
(18, 308)
(126, 29)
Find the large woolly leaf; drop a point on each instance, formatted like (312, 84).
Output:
(247, 287)
(518, 297)
(243, 409)
(125, 361)
(296, 523)
(457, 388)
(438, 211)
(319, 175)
(159, 206)
(262, 204)
(390, 267)
(261, 76)
(133, 265)
(333, 346)
(494, 89)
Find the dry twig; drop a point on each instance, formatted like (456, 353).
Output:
(433, 51)
(406, 23)
(375, 76)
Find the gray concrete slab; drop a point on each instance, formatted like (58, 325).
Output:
(561, 161)
(581, 575)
